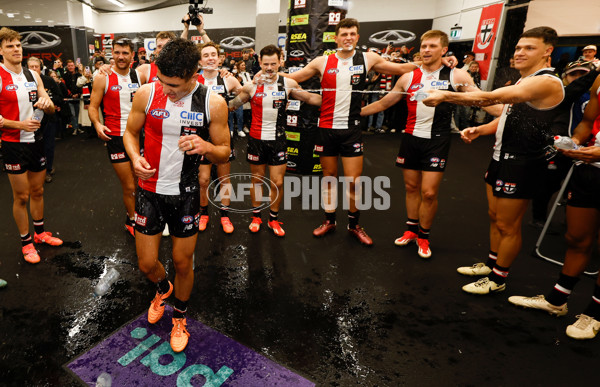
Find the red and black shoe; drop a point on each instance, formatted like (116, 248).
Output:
(325, 228)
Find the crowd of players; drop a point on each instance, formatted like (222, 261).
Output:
(181, 102)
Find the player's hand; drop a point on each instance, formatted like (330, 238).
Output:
(259, 78)
(30, 125)
(43, 103)
(101, 131)
(435, 98)
(450, 61)
(224, 73)
(469, 134)
(142, 169)
(193, 145)
(105, 69)
(1, 121)
(588, 154)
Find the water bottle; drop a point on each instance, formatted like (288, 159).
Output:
(104, 380)
(419, 96)
(38, 114)
(106, 282)
(565, 142)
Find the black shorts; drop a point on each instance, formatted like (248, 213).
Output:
(423, 154)
(180, 212)
(272, 152)
(521, 179)
(116, 150)
(584, 187)
(20, 157)
(339, 142)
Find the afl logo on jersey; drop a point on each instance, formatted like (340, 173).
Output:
(187, 219)
(116, 88)
(417, 86)
(161, 114)
(333, 71)
(260, 95)
(12, 87)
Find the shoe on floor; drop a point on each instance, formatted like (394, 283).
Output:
(3, 283)
(255, 224)
(157, 306)
(203, 222)
(48, 178)
(584, 328)
(424, 250)
(30, 254)
(179, 335)
(275, 225)
(130, 229)
(241, 134)
(47, 238)
(360, 234)
(477, 269)
(538, 302)
(227, 225)
(325, 228)
(406, 238)
(483, 286)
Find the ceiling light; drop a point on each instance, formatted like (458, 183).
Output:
(38, 20)
(10, 15)
(26, 16)
(117, 2)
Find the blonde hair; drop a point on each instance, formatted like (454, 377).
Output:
(436, 34)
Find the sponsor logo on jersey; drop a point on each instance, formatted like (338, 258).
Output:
(117, 156)
(141, 220)
(416, 86)
(192, 118)
(11, 87)
(299, 4)
(187, 219)
(499, 184)
(292, 120)
(277, 104)
(154, 78)
(434, 160)
(116, 88)
(218, 88)
(360, 69)
(252, 157)
(281, 155)
(278, 94)
(333, 71)
(161, 114)
(442, 163)
(318, 148)
(399, 160)
(12, 167)
(133, 85)
(358, 147)
(293, 105)
(30, 85)
(355, 80)
(440, 85)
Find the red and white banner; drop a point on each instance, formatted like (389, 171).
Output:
(483, 46)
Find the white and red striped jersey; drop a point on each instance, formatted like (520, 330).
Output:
(151, 74)
(166, 121)
(426, 121)
(341, 106)
(597, 121)
(116, 103)
(18, 93)
(216, 85)
(269, 101)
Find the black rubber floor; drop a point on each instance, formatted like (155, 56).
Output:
(334, 311)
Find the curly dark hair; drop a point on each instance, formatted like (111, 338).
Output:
(178, 58)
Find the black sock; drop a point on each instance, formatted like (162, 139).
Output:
(163, 286)
(562, 289)
(224, 212)
(499, 274)
(256, 212)
(273, 215)
(203, 210)
(593, 308)
(353, 219)
(25, 240)
(413, 225)
(330, 216)
(492, 257)
(179, 308)
(423, 233)
(38, 226)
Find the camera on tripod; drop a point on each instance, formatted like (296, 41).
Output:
(194, 10)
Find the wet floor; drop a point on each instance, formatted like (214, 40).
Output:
(329, 309)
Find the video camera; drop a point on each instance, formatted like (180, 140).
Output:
(194, 10)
